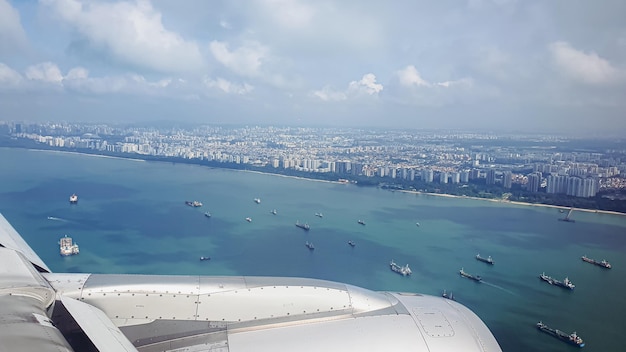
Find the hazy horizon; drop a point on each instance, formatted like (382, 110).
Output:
(477, 65)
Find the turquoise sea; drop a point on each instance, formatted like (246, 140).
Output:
(131, 218)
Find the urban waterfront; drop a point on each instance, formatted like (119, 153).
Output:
(131, 218)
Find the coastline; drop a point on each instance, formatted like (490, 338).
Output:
(139, 159)
(88, 154)
(608, 212)
(289, 176)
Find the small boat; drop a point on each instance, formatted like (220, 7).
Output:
(67, 247)
(309, 245)
(603, 263)
(205, 258)
(351, 243)
(476, 278)
(447, 295)
(572, 339)
(304, 226)
(487, 260)
(257, 200)
(319, 215)
(249, 219)
(273, 211)
(194, 203)
(74, 199)
(207, 214)
(361, 222)
(417, 224)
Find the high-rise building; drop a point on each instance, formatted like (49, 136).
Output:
(443, 177)
(465, 176)
(534, 180)
(427, 175)
(556, 184)
(455, 177)
(507, 179)
(582, 187)
(491, 177)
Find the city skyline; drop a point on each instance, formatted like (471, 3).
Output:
(534, 162)
(491, 65)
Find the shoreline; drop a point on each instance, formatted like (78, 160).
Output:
(87, 154)
(560, 207)
(289, 176)
(597, 211)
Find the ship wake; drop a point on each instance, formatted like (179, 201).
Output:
(500, 288)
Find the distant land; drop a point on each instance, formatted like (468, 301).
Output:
(610, 202)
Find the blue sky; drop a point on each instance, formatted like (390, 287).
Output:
(533, 65)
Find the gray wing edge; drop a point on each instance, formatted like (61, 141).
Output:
(98, 327)
(10, 238)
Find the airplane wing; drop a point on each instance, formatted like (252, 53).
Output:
(110, 312)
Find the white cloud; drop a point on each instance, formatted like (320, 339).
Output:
(47, 76)
(328, 94)
(77, 73)
(585, 67)
(131, 32)
(467, 82)
(366, 85)
(225, 24)
(245, 60)
(410, 77)
(228, 87)
(289, 13)
(45, 72)
(8, 76)
(12, 35)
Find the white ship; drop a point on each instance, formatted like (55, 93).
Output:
(402, 270)
(73, 199)
(67, 247)
(257, 200)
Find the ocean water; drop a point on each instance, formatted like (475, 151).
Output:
(131, 218)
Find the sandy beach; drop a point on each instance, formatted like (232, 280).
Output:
(517, 203)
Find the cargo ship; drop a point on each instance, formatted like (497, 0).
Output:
(572, 339)
(565, 283)
(487, 260)
(304, 226)
(67, 247)
(476, 278)
(402, 270)
(603, 263)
